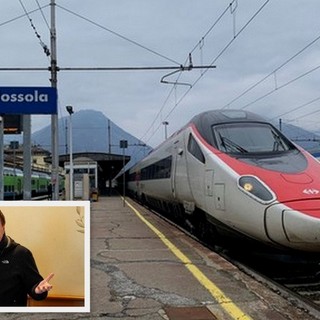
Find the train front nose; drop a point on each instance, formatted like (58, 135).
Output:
(295, 225)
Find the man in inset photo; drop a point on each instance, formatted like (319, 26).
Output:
(19, 275)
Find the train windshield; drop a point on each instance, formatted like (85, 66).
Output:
(247, 138)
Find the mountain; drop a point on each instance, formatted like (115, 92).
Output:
(91, 134)
(308, 140)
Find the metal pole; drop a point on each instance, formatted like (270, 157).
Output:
(66, 138)
(14, 170)
(109, 148)
(124, 178)
(124, 145)
(71, 157)
(165, 123)
(27, 192)
(109, 136)
(54, 117)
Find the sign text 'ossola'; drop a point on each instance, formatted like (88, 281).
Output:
(28, 100)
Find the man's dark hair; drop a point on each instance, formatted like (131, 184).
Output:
(2, 218)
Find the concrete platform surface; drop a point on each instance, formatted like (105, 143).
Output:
(144, 268)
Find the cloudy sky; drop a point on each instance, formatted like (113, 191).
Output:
(266, 53)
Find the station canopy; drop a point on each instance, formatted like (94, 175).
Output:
(109, 165)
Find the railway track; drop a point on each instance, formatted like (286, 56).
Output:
(299, 287)
(299, 278)
(307, 287)
(308, 290)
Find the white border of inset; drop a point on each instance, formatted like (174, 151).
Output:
(86, 205)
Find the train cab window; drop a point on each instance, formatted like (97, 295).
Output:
(247, 138)
(194, 149)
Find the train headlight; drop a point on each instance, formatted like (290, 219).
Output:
(255, 188)
(248, 186)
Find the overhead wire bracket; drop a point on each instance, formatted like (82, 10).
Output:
(181, 69)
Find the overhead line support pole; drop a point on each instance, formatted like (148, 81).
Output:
(54, 117)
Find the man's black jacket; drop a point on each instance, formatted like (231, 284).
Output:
(19, 275)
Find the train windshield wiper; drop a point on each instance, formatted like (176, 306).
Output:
(227, 143)
(278, 142)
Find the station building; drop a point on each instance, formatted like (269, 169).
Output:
(99, 168)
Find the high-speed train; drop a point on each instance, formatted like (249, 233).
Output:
(232, 171)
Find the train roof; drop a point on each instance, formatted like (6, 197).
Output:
(207, 119)
(213, 117)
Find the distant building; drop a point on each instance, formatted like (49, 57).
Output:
(13, 157)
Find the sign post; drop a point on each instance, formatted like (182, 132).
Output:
(123, 146)
(27, 192)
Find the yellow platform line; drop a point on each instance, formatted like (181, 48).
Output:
(225, 302)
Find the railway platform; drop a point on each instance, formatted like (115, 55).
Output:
(144, 268)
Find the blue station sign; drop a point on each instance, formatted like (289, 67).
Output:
(28, 100)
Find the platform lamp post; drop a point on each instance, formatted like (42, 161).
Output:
(123, 146)
(165, 123)
(70, 111)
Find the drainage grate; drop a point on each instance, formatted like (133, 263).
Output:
(189, 313)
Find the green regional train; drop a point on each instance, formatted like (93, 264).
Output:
(13, 183)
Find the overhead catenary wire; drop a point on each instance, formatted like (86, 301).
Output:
(22, 16)
(308, 114)
(273, 73)
(179, 68)
(214, 60)
(198, 44)
(177, 102)
(281, 87)
(297, 108)
(118, 34)
(283, 64)
(42, 14)
(107, 29)
(277, 87)
(99, 26)
(43, 45)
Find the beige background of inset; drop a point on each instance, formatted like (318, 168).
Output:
(52, 234)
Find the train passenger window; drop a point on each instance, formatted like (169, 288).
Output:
(158, 170)
(194, 149)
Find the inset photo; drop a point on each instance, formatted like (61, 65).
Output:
(44, 256)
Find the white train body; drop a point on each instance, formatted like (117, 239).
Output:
(223, 164)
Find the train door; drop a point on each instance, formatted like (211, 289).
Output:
(214, 192)
(173, 169)
(196, 170)
(180, 183)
